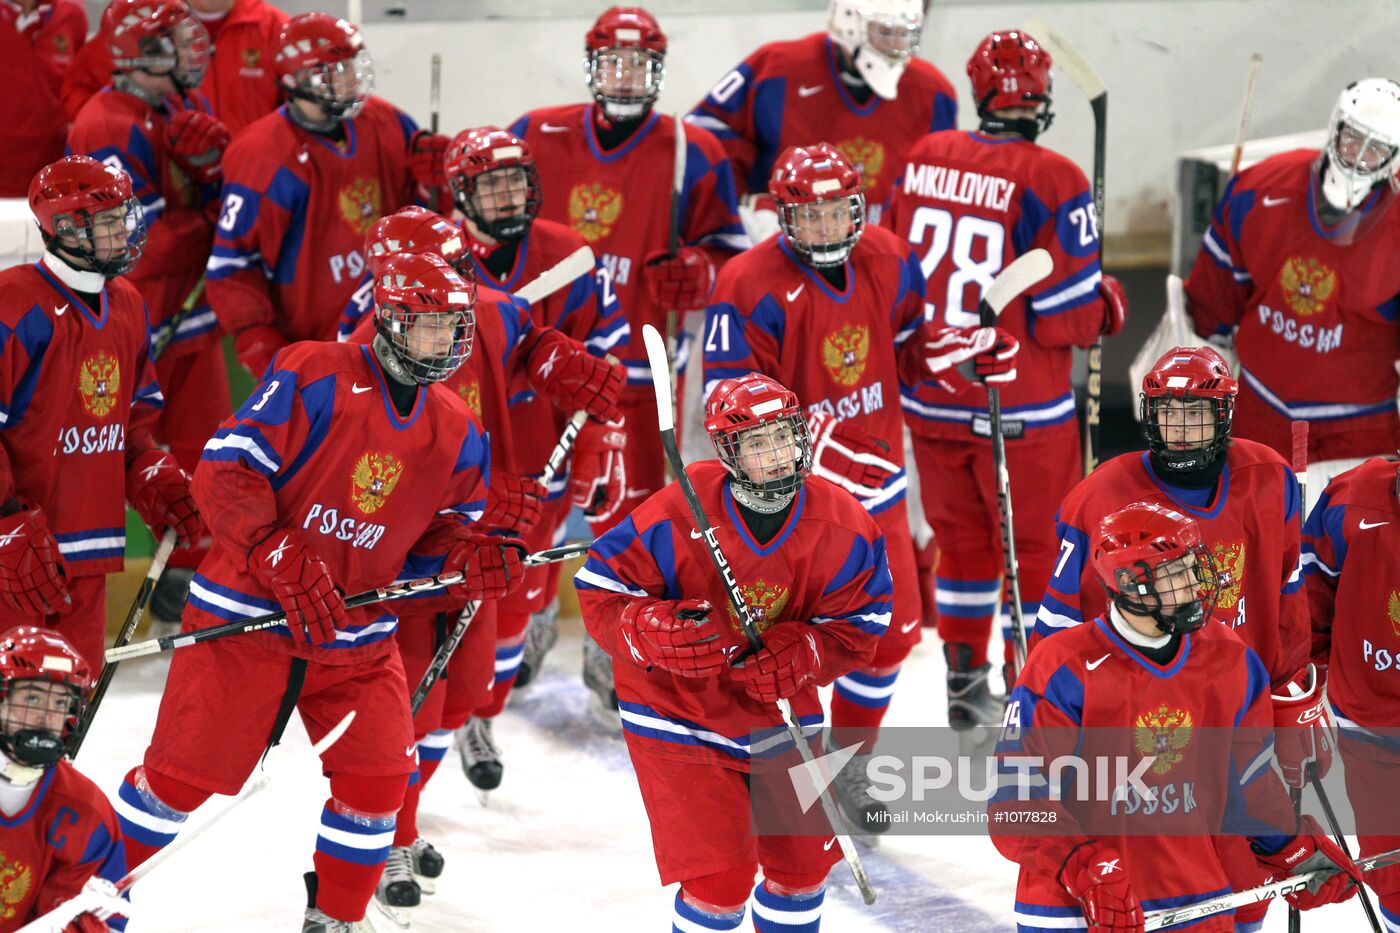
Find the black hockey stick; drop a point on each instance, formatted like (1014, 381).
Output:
(665, 411)
(128, 629)
(1082, 73)
(1014, 280)
(383, 594)
(674, 320)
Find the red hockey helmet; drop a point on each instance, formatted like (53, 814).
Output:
(159, 37)
(1010, 69)
(425, 311)
(82, 205)
(821, 203)
(1187, 405)
(28, 653)
(415, 229)
(760, 434)
(624, 61)
(323, 60)
(494, 181)
(1150, 559)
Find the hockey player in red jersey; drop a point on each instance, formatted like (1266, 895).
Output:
(829, 308)
(1349, 546)
(38, 41)
(606, 171)
(970, 203)
(60, 843)
(347, 467)
(860, 84)
(1153, 663)
(78, 399)
(302, 187)
(1296, 265)
(812, 565)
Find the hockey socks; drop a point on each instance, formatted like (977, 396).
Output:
(508, 657)
(787, 913)
(690, 919)
(431, 749)
(149, 824)
(351, 849)
(861, 699)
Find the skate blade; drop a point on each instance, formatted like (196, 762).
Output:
(391, 918)
(483, 797)
(425, 884)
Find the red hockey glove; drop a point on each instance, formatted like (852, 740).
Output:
(1311, 850)
(788, 661)
(1115, 305)
(848, 456)
(564, 372)
(159, 491)
(598, 478)
(513, 503)
(1304, 732)
(1095, 875)
(675, 635)
(33, 575)
(256, 346)
(301, 583)
(427, 158)
(937, 354)
(196, 141)
(493, 566)
(680, 281)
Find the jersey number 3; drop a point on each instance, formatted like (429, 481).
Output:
(962, 240)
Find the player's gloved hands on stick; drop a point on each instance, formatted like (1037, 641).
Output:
(196, 141)
(427, 154)
(1311, 850)
(681, 281)
(33, 575)
(301, 583)
(513, 502)
(936, 354)
(1304, 732)
(787, 662)
(1095, 875)
(848, 456)
(1115, 305)
(598, 479)
(256, 346)
(675, 635)
(563, 371)
(493, 566)
(159, 491)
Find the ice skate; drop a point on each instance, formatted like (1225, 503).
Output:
(540, 636)
(428, 864)
(397, 892)
(598, 678)
(481, 759)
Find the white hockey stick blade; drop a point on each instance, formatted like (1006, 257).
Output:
(678, 163)
(577, 263)
(1176, 307)
(1066, 58)
(660, 375)
(1024, 273)
(330, 738)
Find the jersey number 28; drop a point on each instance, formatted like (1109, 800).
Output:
(959, 239)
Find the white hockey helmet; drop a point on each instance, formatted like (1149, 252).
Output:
(1363, 142)
(880, 36)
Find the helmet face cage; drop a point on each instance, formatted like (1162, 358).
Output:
(894, 36)
(165, 46)
(501, 202)
(80, 234)
(1181, 435)
(625, 81)
(339, 88)
(396, 322)
(823, 233)
(1363, 143)
(34, 656)
(1156, 590)
(769, 459)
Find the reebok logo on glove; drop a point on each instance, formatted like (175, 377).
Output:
(274, 557)
(1106, 868)
(547, 366)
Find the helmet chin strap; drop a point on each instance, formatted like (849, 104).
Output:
(1189, 469)
(757, 502)
(389, 359)
(48, 750)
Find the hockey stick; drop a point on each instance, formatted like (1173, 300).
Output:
(577, 263)
(665, 413)
(173, 325)
(383, 594)
(673, 244)
(1300, 472)
(1161, 919)
(128, 629)
(1093, 87)
(1256, 61)
(1014, 280)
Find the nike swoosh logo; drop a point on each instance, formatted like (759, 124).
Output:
(1090, 665)
(357, 388)
(551, 128)
(59, 311)
(906, 629)
(531, 594)
(1270, 202)
(826, 847)
(809, 90)
(1364, 524)
(796, 291)
(695, 534)
(411, 749)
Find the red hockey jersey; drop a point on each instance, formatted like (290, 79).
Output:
(66, 834)
(1349, 547)
(78, 398)
(289, 247)
(1317, 321)
(1250, 523)
(790, 93)
(620, 202)
(37, 49)
(970, 204)
(825, 570)
(319, 447)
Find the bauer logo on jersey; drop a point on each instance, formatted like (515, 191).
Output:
(471, 394)
(374, 477)
(1229, 573)
(1392, 609)
(844, 353)
(866, 156)
(1163, 734)
(361, 204)
(99, 379)
(1307, 285)
(593, 209)
(16, 880)
(766, 604)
